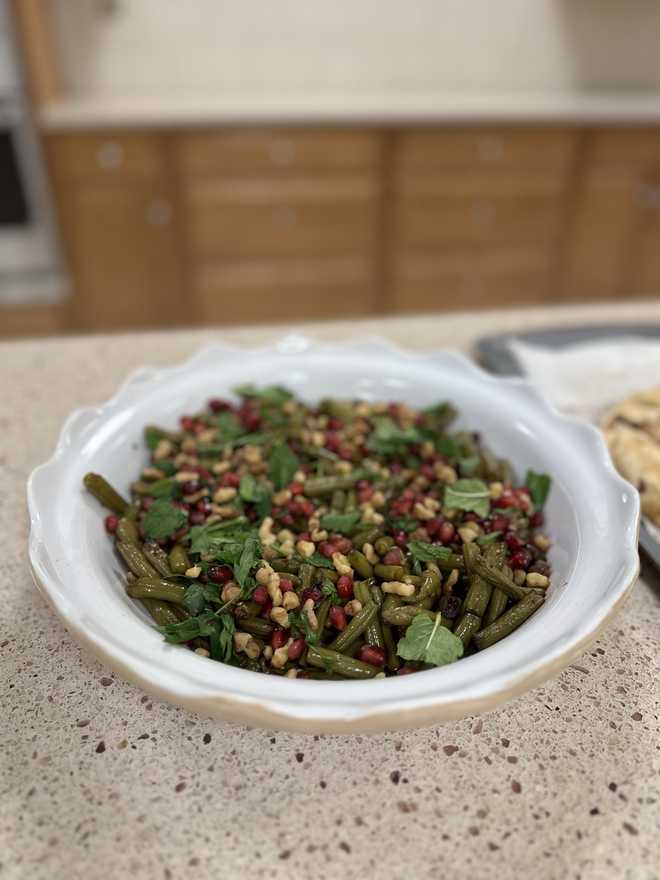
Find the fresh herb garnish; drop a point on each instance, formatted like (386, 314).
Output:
(185, 630)
(329, 590)
(204, 538)
(164, 488)
(469, 465)
(539, 487)
(248, 559)
(429, 642)
(428, 552)
(339, 522)
(256, 492)
(197, 595)
(318, 560)
(388, 438)
(163, 519)
(299, 622)
(403, 523)
(274, 394)
(283, 465)
(468, 495)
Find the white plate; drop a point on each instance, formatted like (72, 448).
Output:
(592, 516)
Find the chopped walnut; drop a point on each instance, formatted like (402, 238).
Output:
(398, 588)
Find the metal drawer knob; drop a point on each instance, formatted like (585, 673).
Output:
(110, 155)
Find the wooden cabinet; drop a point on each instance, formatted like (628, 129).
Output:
(613, 234)
(116, 205)
(476, 216)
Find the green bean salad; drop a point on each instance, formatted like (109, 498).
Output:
(332, 541)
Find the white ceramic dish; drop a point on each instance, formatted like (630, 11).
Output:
(592, 515)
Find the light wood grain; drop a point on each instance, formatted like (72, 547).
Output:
(35, 320)
(106, 156)
(34, 29)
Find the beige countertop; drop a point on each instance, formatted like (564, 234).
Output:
(216, 108)
(97, 779)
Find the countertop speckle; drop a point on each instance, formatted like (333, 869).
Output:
(97, 779)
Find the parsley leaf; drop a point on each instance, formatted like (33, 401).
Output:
(274, 394)
(153, 436)
(329, 590)
(403, 523)
(256, 492)
(248, 487)
(229, 425)
(194, 599)
(204, 538)
(468, 495)
(428, 552)
(319, 561)
(539, 487)
(388, 438)
(300, 623)
(248, 559)
(221, 640)
(430, 642)
(448, 447)
(441, 415)
(283, 465)
(469, 465)
(339, 522)
(163, 519)
(164, 488)
(185, 630)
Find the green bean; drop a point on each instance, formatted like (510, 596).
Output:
(449, 563)
(391, 659)
(179, 560)
(383, 544)
(466, 627)
(161, 612)
(321, 573)
(133, 510)
(315, 486)
(322, 616)
(103, 492)
(306, 575)
(360, 563)
(389, 572)
(391, 601)
(247, 609)
(429, 588)
(156, 588)
(478, 595)
(509, 621)
(495, 556)
(373, 634)
(285, 566)
(366, 536)
(351, 501)
(414, 579)
(355, 628)
(157, 557)
(161, 434)
(127, 531)
(338, 500)
(499, 579)
(140, 487)
(135, 559)
(256, 626)
(405, 615)
(334, 662)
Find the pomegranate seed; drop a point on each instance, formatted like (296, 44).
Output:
(304, 536)
(332, 441)
(230, 479)
(396, 467)
(286, 585)
(301, 508)
(279, 638)
(401, 506)
(471, 517)
(537, 519)
(189, 487)
(111, 523)
(204, 473)
(296, 488)
(203, 505)
(446, 533)
(147, 501)
(199, 427)
(342, 544)
(500, 523)
(372, 654)
(306, 468)
(513, 542)
(337, 617)
(312, 593)
(187, 423)
(180, 535)
(219, 574)
(400, 539)
(393, 557)
(286, 520)
(196, 518)
(433, 525)
(406, 670)
(364, 495)
(345, 452)
(217, 405)
(520, 559)
(345, 587)
(507, 499)
(260, 595)
(427, 471)
(266, 608)
(393, 410)
(326, 549)
(296, 648)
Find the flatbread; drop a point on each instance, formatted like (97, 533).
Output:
(632, 432)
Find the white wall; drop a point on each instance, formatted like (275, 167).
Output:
(156, 47)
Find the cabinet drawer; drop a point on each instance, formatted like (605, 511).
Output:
(276, 150)
(104, 156)
(488, 147)
(284, 290)
(464, 278)
(261, 218)
(625, 147)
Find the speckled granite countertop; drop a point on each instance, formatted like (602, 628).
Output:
(99, 780)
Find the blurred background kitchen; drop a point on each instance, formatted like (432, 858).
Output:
(233, 161)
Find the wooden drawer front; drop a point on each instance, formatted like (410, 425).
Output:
(624, 147)
(284, 290)
(485, 147)
(277, 150)
(466, 278)
(237, 219)
(107, 156)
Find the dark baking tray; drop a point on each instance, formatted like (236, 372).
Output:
(494, 353)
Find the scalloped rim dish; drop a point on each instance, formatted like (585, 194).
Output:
(593, 517)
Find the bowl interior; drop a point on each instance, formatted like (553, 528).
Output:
(586, 515)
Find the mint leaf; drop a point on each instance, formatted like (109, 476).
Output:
(539, 487)
(249, 555)
(388, 438)
(329, 590)
(448, 447)
(274, 394)
(429, 642)
(153, 436)
(248, 488)
(299, 622)
(441, 415)
(204, 538)
(194, 598)
(257, 493)
(164, 488)
(221, 640)
(228, 424)
(468, 495)
(319, 561)
(403, 523)
(185, 630)
(339, 522)
(469, 466)
(428, 552)
(163, 519)
(283, 465)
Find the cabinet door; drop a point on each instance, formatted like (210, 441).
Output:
(642, 277)
(123, 251)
